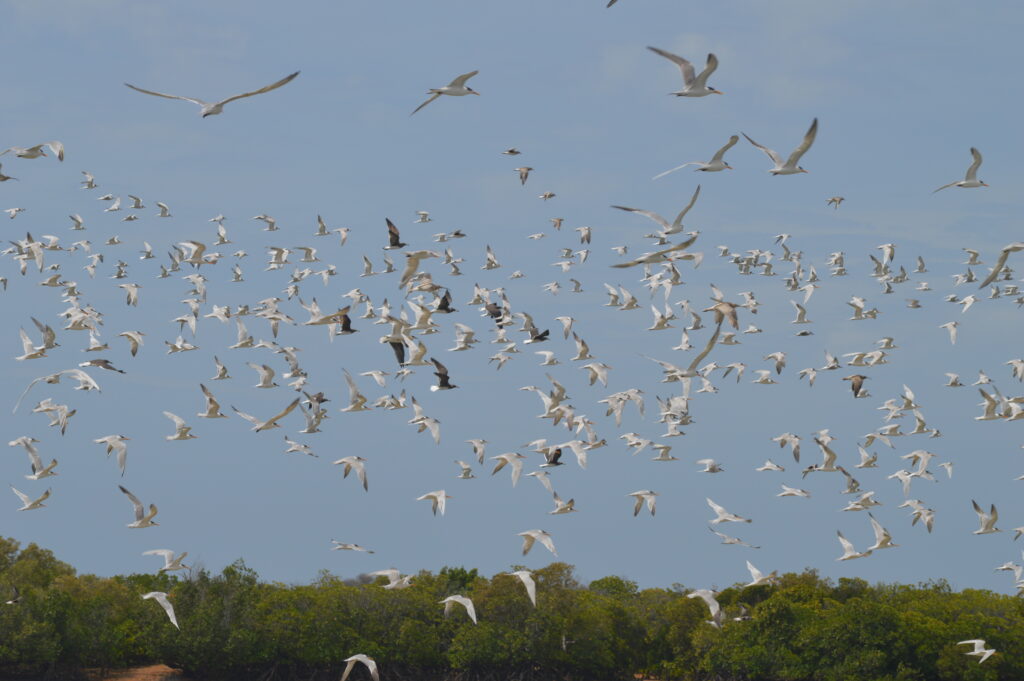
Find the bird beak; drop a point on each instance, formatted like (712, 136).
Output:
(804, 171)
(729, 166)
(475, 92)
(984, 184)
(718, 92)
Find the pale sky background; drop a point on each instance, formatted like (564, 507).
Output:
(901, 90)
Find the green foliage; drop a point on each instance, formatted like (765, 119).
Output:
(234, 627)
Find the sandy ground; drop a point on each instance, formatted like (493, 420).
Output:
(157, 672)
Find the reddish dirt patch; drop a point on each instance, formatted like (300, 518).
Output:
(157, 672)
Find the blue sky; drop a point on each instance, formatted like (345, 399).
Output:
(901, 92)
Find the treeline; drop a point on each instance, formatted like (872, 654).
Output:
(233, 626)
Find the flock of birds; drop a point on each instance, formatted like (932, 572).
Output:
(427, 301)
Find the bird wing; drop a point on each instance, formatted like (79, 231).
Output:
(461, 80)
(531, 586)
(880, 533)
(728, 145)
(997, 268)
(646, 213)
(716, 508)
(432, 98)
(248, 417)
(685, 66)
(945, 186)
(21, 495)
(161, 598)
(776, 159)
(707, 350)
(528, 540)
(139, 511)
(808, 140)
(161, 94)
(442, 370)
(709, 68)
(272, 421)
(678, 222)
(211, 401)
(179, 422)
(972, 171)
(545, 539)
(26, 343)
(266, 88)
(468, 604)
(393, 234)
(672, 170)
(754, 572)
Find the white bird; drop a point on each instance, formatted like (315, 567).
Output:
(971, 177)
(708, 596)
(212, 408)
(676, 225)
(35, 152)
(358, 464)
(951, 327)
(142, 519)
(450, 602)
(641, 497)
(531, 536)
(694, 85)
(526, 577)
(979, 649)
(341, 546)
(793, 492)
(116, 443)
(369, 662)
(883, 540)
(272, 422)
(987, 520)
(757, 578)
(30, 504)
(716, 163)
(395, 578)
(214, 108)
(181, 431)
(171, 562)
(710, 466)
(456, 88)
(724, 516)
(849, 553)
(513, 459)
(161, 598)
(436, 500)
(789, 166)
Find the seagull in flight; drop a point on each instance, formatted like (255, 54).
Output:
(214, 108)
(979, 649)
(456, 88)
(35, 152)
(161, 598)
(716, 163)
(371, 665)
(693, 85)
(971, 177)
(789, 166)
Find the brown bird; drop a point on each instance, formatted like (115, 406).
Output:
(856, 383)
(442, 377)
(394, 239)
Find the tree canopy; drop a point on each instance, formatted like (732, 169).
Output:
(233, 626)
